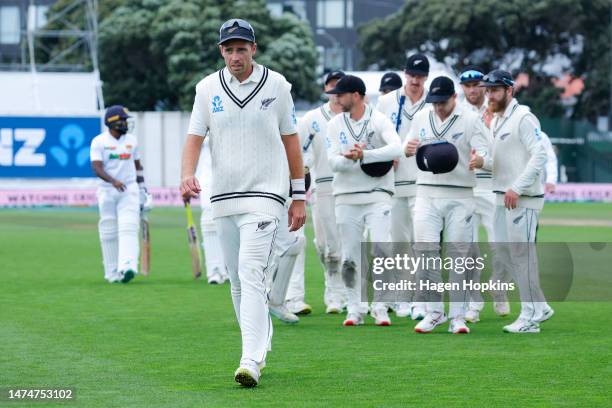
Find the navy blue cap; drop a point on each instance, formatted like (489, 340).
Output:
(348, 84)
(440, 90)
(337, 74)
(115, 113)
(236, 29)
(390, 82)
(417, 64)
(438, 158)
(497, 77)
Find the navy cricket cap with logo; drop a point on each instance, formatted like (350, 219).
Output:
(348, 84)
(497, 77)
(115, 113)
(440, 90)
(337, 74)
(236, 29)
(417, 64)
(471, 73)
(390, 82)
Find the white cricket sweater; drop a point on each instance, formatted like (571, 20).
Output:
(245, 121)
(351, 185)
(389, 105)
(465, 130)
(312, 128)
(519, 156)
(483, 177)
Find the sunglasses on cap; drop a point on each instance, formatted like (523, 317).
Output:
(471, 75)
(236, 21)
(494, 78)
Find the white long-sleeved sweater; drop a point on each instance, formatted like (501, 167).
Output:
(464, 129)
(483, 177)
(519, 156)
(312, 128)
(374, 130)
(389, 104)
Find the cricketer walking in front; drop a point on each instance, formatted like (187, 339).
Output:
(247, 112)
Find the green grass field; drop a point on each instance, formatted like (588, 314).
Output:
(170, 341)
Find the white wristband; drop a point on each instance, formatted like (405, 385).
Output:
(298, 189)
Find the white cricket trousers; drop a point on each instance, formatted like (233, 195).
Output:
(213, 255)
(454, 217)
(402, 235)
(118, 229)
(288, 246)
(327, 243)
(247, 241)
(402, 219)
(353, 220)
(297, 290)
(484, 212)
(515, 232)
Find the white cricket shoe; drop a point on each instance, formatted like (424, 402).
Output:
(298, 307)
(501, 308)
(282, 314)
(353, 319)
(472, 316)
(458, 326)
(417, 312)
(546, 314)
(522, 326)
(403, 309)
(430, 322)
(381, 316)
(334, 308)
(247, 374)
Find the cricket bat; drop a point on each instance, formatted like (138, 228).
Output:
(145, 244)
(194, 247)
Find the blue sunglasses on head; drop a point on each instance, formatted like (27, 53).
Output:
(471, 75)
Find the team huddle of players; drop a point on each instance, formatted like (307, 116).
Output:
(418, 165)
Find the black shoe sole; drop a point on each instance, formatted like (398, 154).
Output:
(128, 276)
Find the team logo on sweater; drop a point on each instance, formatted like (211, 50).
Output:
(217, 104)
(369, 142)
(538, 134)
(316, 127)
(262, 225)
(265, 103)
(343, 139)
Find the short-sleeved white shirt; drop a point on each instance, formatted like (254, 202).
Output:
(117, 156)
